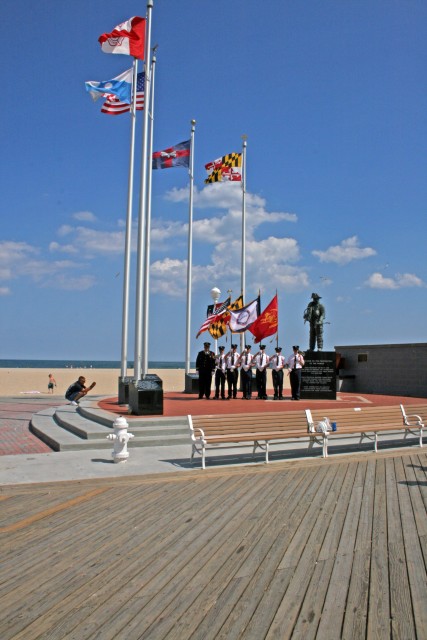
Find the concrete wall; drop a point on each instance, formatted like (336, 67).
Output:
(388, 369)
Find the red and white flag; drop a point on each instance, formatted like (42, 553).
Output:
(127, 38)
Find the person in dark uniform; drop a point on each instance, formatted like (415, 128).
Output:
(277, 362)
(232, 359)
(220, 374)
(295, 363)
(205, 364)
(261, 363)
(246, 372)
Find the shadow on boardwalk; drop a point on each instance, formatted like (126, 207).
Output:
(306, 549)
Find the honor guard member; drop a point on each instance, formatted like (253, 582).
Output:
(295, 363)
(246, 372)
(261, 363)
(232, 360)
(220, 374)
(205, 364)
(277, 363)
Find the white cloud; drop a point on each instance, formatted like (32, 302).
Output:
(4, 291)
(267, 261)
(169, 277)
(84, 216)
(20, 260)
(62, 248)
(71, 282)
(345, 252)
(90, 241)
(378, 281)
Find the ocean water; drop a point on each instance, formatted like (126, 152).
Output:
(83, 364)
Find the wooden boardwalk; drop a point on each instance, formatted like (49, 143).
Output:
(323, 549)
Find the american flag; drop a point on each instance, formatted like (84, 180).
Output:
(114, 107)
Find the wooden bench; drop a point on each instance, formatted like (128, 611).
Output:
(370, 422)
(258, 429)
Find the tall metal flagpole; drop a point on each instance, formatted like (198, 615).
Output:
(243, 265)
(148, 225)
(190, 249)
(142, 201)
(128, 236)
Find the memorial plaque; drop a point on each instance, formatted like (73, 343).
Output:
(124, 388)
(318, 376)
(192, 383)
(146, 396)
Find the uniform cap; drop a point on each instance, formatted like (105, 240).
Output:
(206, 344)
(221, 348)
(262, 346)
(278, 348)
(295, 347)
(234, 346)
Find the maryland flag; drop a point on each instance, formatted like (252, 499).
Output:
(267, 322)
(227, 168)
(218, 328)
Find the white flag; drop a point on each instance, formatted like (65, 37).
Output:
(242, 319)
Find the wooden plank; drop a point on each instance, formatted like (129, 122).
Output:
(378, 601)
(414, 556)
(356, 611)
(155, 568)
(71, 590)
(402, 623)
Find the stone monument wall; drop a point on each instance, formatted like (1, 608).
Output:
(389, 369)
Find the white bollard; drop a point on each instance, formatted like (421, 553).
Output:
(121, 438)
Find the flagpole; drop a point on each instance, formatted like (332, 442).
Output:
(128, 236)
(277, 334)
(148, 224)
(190, 249)
(243, 260)
(142, 201)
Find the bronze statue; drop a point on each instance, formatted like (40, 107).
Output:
(315, 315)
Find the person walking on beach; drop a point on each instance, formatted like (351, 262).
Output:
(295, 363)
(51, 383)
(205, 365)
(78, 390)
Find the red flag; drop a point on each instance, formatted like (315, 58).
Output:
(267, 322)
(127, 38)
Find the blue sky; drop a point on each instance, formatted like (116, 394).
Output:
(332, 96)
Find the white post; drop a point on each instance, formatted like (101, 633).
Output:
(146, 294)
(243, 260)
(215, 293)
(128, 236)
(142, 202)
(190, 250)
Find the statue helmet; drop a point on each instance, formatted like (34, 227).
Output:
(315, 296)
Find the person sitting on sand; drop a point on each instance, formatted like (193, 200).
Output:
(51, 383)
(77, 390)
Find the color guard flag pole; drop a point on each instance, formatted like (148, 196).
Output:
(126, 271)
(142, 202)
(190, 249)
(243, 259)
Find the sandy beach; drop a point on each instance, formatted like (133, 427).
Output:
(28, 382)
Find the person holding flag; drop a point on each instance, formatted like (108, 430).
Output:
(220, 374)
(261, 363)
(277, 363)
(246, 372)
(232, 361)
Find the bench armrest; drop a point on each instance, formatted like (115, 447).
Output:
(418, 420)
